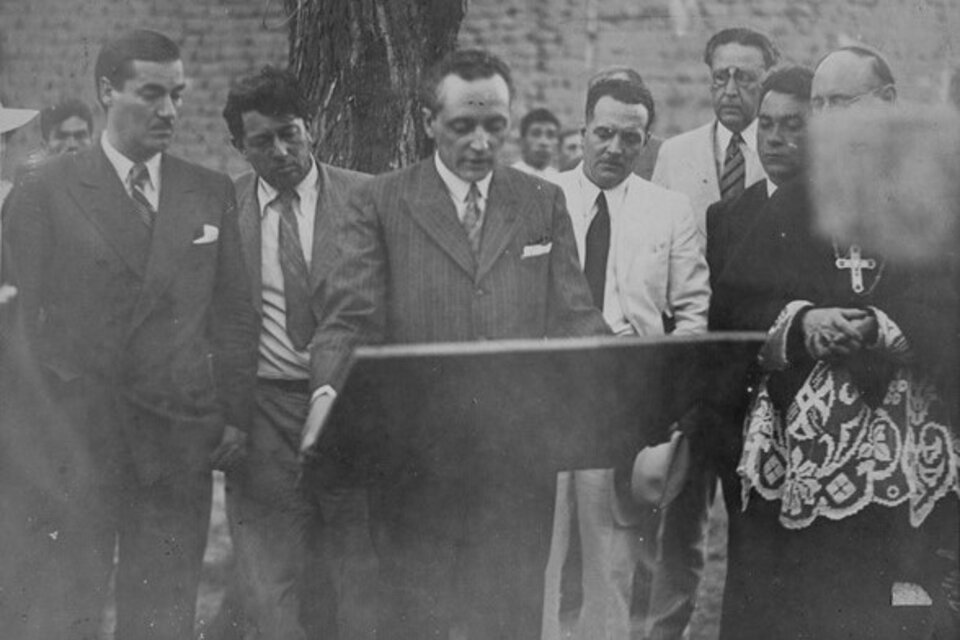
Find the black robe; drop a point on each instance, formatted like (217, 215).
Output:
(831, 578)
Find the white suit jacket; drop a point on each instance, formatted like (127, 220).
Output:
(660, 265)
(687, 164)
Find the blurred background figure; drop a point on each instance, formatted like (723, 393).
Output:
(539, 131)
(571, 149)
(66, 127)
(10, 121)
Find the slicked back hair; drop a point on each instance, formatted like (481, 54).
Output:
(468, 64)
(115, 60)
(792, 80)
(625, 91)
(273, 92)
(745, 37)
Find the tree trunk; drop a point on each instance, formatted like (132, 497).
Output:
(360, 63)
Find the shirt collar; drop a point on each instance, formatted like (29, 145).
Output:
(122, 164)
(771, 188)
(266, 193)
(749, 135)
(457, 186)
(590, 190)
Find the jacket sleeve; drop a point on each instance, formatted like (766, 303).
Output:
(234, 322)
(688, 289)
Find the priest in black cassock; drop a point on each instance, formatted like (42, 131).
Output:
(848, 465)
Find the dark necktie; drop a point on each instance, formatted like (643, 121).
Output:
(473, 218)
(137, 181)
(596, 250)
(734, 170)
(296, 276)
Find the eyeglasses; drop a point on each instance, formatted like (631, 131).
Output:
(741, 77)
(840, 101)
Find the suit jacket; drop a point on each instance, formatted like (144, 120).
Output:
(335, 186)
(160, 318)
(727, 226)
(686, 163)
(406, 273)
(660, 269)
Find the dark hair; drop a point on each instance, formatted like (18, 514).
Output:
(626, 91)
(115, 61)
(615, 73)
(745, 37)
(52, 117)
(881, 68)
(468, 64)
(272, 92)
(536, 116)
(792, 80)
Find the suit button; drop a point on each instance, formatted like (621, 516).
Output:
(480, 292)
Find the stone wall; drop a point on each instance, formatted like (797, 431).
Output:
(47, 49)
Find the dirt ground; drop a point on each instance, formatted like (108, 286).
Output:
(706, 618)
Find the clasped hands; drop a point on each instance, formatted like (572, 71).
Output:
(837, 332)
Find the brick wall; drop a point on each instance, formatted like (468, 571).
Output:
(47, 49)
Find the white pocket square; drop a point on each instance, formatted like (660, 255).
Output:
(534, 250)
(210, 234)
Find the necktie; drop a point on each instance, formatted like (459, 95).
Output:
(734, 170)
(597, 250)
(296, 276)
(137, 181)
(473, 218)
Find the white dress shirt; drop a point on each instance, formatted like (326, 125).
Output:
(122, 165)
(279, 359)
(548, 173)
(458, 188)
(581, 215)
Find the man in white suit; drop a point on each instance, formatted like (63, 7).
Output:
(719, 159)
(639, 249)
(715, 162)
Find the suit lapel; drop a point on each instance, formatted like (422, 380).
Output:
(105, 202)
(250, 224)
(500, 220)
(323, 226)
(430, 206)
(172, 232)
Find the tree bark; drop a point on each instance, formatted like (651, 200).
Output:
(360, 63)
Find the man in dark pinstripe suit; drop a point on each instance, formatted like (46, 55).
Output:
(453, 248)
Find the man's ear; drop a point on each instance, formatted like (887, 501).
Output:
(888, 93)
(428, 116)
(105, 91)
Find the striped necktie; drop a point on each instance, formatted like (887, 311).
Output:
(296, 275)
(597, 250)
(732, 182)
(473, 218)
(137, 181)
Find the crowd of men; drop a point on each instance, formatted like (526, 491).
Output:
(161, 321)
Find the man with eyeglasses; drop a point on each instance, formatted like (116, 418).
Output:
(852, 75)
(639, 250)
(715, 162)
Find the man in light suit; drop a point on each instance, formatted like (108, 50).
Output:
(639, 249)
(275, 527)
(136, 307)
(453, 248)
(717, 161)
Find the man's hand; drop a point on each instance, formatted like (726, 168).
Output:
(316, 418)
(231, 450)
(835, 332)
(7, 293)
